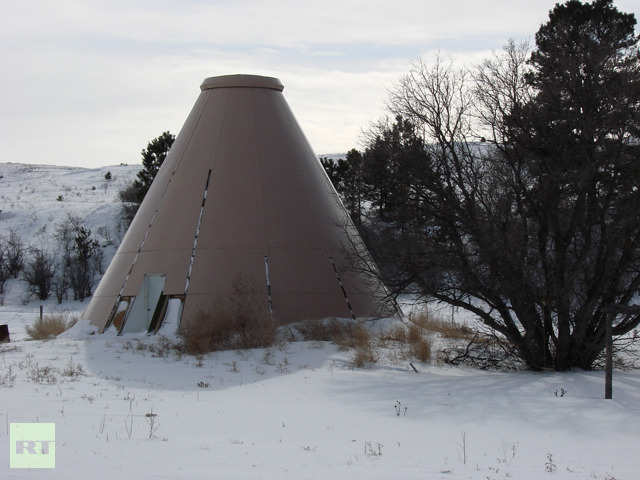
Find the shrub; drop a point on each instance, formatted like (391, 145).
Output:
(9, 377)
(39, 272)
(73, 370)
(162, 347)
(130, 203)
(240, 322)
(4, 264)
(14, 251)
(195, 336)
(46, 375)
(50, 326)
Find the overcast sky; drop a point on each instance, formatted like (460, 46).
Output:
(90, 82)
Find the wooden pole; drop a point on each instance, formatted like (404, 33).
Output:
(608, 379)
(611, 311)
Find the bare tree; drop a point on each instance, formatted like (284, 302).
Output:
(536, 230)
(4, 267)
(14, 251)
(86, 260)
(81, 258)
(39, 271)
(499, 89)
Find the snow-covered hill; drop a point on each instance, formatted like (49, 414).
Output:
(36, 197)
(124, 407)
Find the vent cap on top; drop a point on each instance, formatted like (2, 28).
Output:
(242, 81)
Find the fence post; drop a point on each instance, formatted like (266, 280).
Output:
(608, 378)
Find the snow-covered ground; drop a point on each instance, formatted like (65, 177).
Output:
(124, 410)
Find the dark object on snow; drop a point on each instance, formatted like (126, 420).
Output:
(4, 334)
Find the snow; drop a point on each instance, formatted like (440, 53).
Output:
(297, 410)
(33, 198)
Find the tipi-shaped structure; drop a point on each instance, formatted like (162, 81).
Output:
(240, 194)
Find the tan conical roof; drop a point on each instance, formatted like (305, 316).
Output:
(240, 194)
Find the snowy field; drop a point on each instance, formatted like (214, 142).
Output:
(125, 408)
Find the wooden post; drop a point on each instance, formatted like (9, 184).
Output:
(40, 312)
(608, 379)
(611, 311)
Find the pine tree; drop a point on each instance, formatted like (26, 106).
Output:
(152, 158)
(578, 138)
(538, 232)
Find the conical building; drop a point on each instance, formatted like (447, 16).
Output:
(241, 194)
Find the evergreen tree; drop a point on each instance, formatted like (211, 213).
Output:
(391, 163)
(577, 139)
(152, 158)
(132, 194)
(353, 185)
(537, 232)
(346, 175)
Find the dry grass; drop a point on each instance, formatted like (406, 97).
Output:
(419, 342)
(430, 322)
(324, 330)
(407, 342)
(215, 331)
(401, 341)
(240, 322)
(50, 326)
(398, 333)
(421, 349)
(195, 335)
(243, 322)
(467, 346)
(365, 351)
